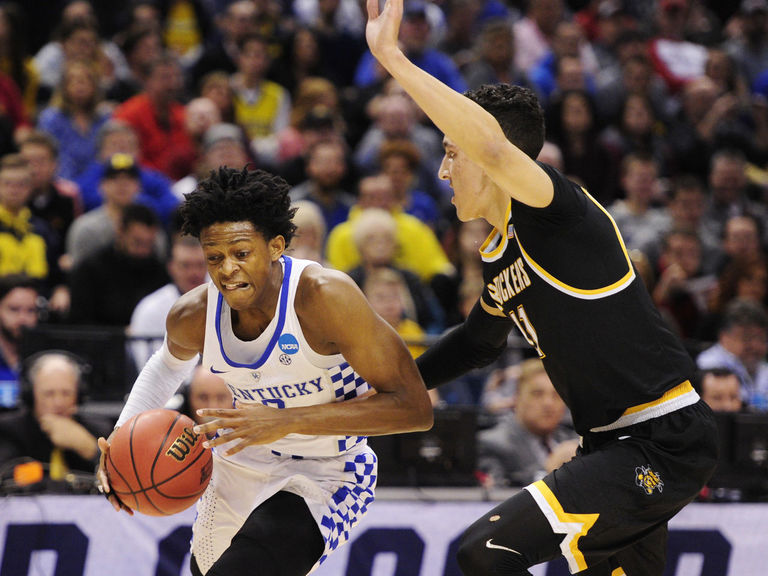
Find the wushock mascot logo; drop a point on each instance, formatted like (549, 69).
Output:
(648, 480)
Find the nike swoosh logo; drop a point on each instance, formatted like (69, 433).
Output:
(497, 547)
(213, 370)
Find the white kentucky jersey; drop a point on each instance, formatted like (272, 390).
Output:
(279, 369)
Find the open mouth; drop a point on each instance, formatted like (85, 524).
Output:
(234, 285)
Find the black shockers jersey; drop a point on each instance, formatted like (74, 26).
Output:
(563, 275)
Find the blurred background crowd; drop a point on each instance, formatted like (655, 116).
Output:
(112, 110)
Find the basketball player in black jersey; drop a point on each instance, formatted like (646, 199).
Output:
(556, 268)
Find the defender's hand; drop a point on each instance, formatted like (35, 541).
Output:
(383, 27)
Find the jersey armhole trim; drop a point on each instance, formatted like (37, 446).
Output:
(590, 294)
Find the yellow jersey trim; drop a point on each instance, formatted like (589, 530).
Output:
(494, 254)
(595, 293)
(574, 526)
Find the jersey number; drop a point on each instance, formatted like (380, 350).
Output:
(527, 329)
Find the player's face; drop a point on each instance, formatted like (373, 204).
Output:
(240, 263)
(465, 178)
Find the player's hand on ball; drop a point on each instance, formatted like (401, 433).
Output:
(103, 481)
(251, 424)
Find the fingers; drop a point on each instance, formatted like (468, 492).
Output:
(373, 9)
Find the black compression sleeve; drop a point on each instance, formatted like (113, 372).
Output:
(475, 343)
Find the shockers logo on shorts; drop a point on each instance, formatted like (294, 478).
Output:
(648, 480)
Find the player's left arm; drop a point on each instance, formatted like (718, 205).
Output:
(336, 318)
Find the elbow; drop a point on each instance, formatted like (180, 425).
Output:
(424, 416)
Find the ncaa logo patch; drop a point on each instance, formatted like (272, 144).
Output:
(648, 480)
(288, 344)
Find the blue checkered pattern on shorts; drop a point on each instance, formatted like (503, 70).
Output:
(349, 505)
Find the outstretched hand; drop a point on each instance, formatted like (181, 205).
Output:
(251, 424)
(383, 27)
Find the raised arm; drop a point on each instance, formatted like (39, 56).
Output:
(466, 124)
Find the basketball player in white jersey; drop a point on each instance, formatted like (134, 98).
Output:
(312, 370)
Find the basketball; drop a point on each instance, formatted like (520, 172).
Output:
(156, 464)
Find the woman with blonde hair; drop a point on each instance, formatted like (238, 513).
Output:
(74, 117)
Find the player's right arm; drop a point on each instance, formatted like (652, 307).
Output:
(164, 371)
(468, 126)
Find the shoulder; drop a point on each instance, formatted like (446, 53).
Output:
(319, 285)
(186, 319)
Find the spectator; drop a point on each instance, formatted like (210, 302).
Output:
(18, 311)
(388, 295)
(638, 221)
(262, 107)
(730, 194)
(320, 124)
(117, 137)
(157, 116)
(740, 241)
(75, 117)
(676, 60)
(49, 428)
(216, 87)
(95, 230)
(681, 291)
(463, 242)
(326, 167)
(200, 114)
(375, 236)
(187, 269)
(700, 125)
(77, 39)
(237, 21)
(107, 285)
(56, 202)
(721, 390)
(567, 42)
(395, 118)
(741, 346)
(205, 390)
(533, 32)
(315, 98)
(24, 239)
(419, 249)
(222, 145)
(400, 160)
(309, 240)
(740, 279)
(515, 451)
(14, 60)
(749, 47)
(572, 123)
(685, 208)
(414, 38)
(494, 62)
(141, 46)
(637, 130)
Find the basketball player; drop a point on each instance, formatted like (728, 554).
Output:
(556, 267)
(312, 369)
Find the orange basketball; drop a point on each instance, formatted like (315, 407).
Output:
(156, 464)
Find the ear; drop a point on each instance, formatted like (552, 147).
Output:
(276, 247)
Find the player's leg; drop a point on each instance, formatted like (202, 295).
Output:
(508, 540)
(280, 537)
(646, 556)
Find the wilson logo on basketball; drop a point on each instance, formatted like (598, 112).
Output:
(182, 445)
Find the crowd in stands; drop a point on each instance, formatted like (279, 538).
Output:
(110, 111)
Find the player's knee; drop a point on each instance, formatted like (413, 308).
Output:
(477, 559)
